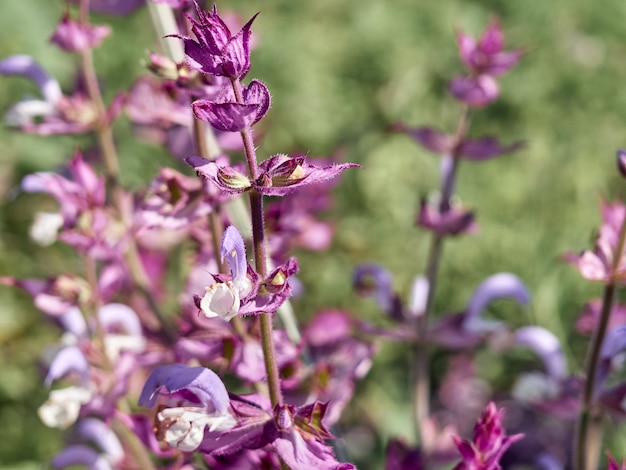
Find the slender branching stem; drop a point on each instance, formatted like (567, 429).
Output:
(421, 390)
(104, 135)
(260, 258)
(589, 430)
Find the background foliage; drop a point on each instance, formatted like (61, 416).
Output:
(340, 72)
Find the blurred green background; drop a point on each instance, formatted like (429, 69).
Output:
(340, 72)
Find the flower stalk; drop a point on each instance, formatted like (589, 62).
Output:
(110, 159)
(421, 392)
(589, 430)
(260, 257)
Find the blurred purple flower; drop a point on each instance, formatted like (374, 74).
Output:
(56, 113)
(72, 36)
(173, 202)
(340, 359)
(552, 391)
(216, 50)
(597, 265)
(476, 92)
(114, 7)
(548, 348)
(489, 443)
(444, 144)
(399, 456)
(372, 280)
(225, 113)
(81, 454)
(468, 328)
(487, 55)
(452, 222)
(613, 465)
(182, 4)
(68, 359)
(485, 60)
(590, 315)
(54, 296)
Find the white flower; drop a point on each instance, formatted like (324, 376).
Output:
(63, 406)
(114, 344)
(184, 426)
(220, 300)
(45, 228)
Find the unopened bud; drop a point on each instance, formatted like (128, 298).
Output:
(231, 178)
(296, 175)
(162, 66)
(276, 283)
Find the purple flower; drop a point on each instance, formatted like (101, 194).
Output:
(489, 443)
(551, 391)
(454, 221)
(485, 60)
(375, 281)
(590, 315)
(468, 328)
(204, 401)
(223, 298)
(95, 431)
(72, 36)
(114, 7)
(54, 296)
(441, 143)
(56, 113)
(279, 175)
(476, 92)
(487, 55)
(84, 191)
(235, 424)
(597, 265)
(216, 51)
(226, 114)
(399, 456)
(613, 465)
(173, 202)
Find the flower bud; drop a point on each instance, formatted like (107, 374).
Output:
(232, 179)
(162, 66)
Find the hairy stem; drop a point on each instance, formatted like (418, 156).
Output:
(589, 430)
(260, 258)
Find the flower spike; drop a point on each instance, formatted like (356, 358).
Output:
(216, 51)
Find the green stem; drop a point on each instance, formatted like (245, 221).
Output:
(589, 430)
(260, 258)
